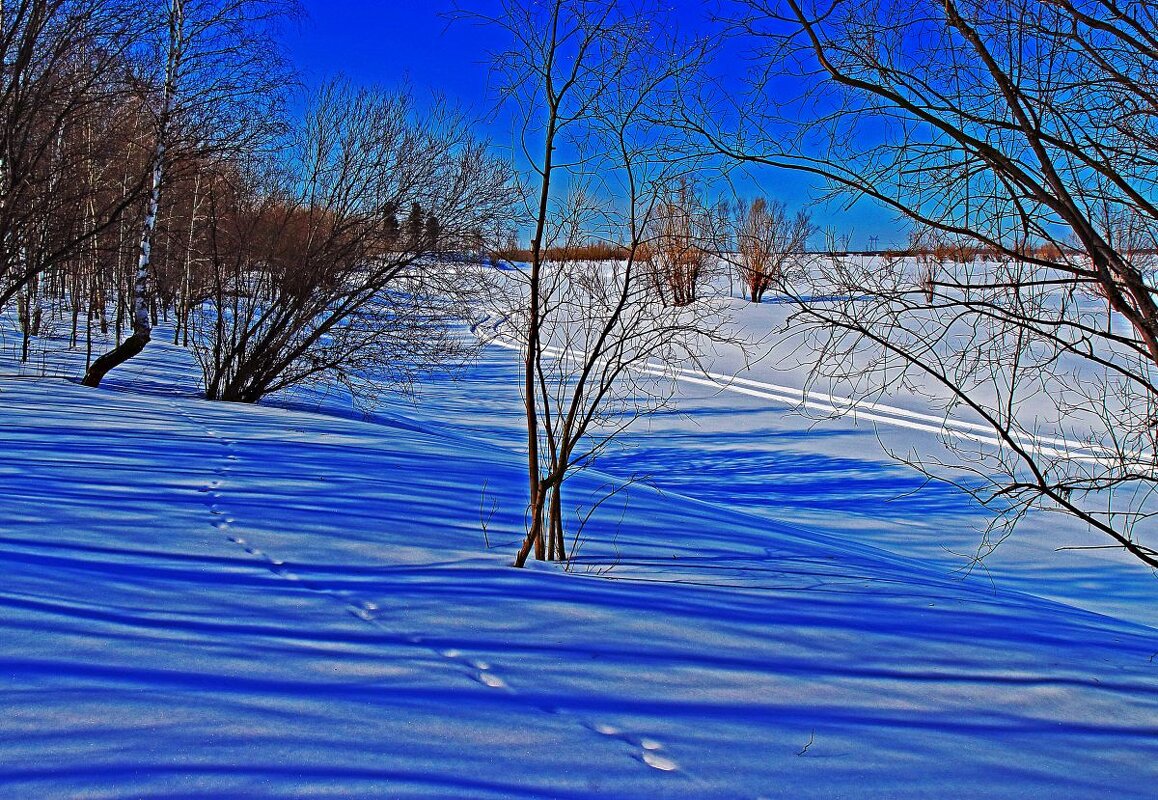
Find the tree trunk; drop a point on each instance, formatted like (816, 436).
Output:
(142, 322)
(556, 550)
(142, 318)
(130, 347)
(535, 534)
(183, 310)
(531, 362)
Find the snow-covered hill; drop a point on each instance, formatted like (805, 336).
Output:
(210, 600)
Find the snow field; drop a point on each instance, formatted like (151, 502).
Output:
(215, 600)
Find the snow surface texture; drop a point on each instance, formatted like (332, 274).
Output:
(210, 600)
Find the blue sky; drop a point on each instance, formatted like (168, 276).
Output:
(391, 42)
(388, 41)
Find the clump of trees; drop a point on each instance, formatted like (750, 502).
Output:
(103, 105)
(309, 275)
(217, 65)
(149, 171)
(682, 240)
(69, 115)
(770, 243)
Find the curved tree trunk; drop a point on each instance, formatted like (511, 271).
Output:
(130, 347)
(142, 320)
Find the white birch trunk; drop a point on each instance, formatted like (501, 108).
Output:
(142, 323)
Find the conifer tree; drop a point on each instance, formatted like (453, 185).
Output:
(433, 232)
(391, 230)
(414, 227)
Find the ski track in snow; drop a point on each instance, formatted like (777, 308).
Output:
(1049, 446)
(646, 750)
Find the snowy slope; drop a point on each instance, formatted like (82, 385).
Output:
(207, 600)
(749, 437)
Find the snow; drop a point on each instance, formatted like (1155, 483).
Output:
(214, 600)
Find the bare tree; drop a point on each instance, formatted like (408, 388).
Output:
(681, 245)
(597, 85)
(62, 88)
(219, 73)
(770, 243)
(310, 281)
(1028, 130)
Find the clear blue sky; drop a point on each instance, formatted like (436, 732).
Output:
(386, 42)
(389, 42)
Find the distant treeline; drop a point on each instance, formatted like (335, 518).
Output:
(584, 252)
(958, 253)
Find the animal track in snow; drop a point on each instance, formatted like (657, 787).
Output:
(478, 669)
(370, 612)
(484, 675)
(645, 750)
(649, 748)
(366, 611)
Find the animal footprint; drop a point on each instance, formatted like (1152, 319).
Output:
(656, 761)
(650, 747)
(483, 674)
(491, 680)
(365, 611)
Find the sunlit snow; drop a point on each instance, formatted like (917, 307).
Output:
(289, 600)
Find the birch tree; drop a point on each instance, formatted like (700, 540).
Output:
(220, 79)
(62, 64)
